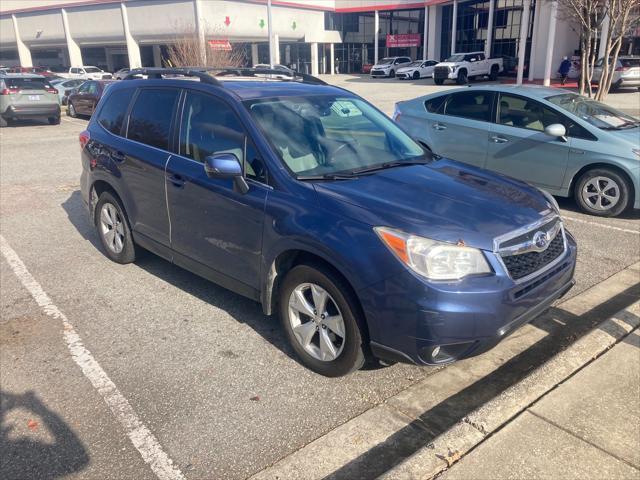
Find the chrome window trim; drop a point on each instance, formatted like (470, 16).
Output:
(526, 229)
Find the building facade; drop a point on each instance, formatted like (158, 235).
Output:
(313, 36)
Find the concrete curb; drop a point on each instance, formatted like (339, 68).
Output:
(447, 448)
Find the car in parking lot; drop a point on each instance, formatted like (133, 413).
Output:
(417, 70)
(462, 67)
(89, 73)
(27, 96)
(308, 199)
(83, 100)
(65, 86)
(557, 140)
(626, 72)
(387, 67)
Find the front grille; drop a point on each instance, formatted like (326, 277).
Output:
(440, 72)
(521, 265)
(378, 72)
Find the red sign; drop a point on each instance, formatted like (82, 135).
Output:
(404, 40)
(220, 45)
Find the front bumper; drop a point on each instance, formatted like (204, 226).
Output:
(32, 111)
(629, 82)
(408, 317)
(380, 73)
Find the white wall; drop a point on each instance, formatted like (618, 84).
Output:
(96, 24)
(7, 33)
(566, 41)
(41, 28)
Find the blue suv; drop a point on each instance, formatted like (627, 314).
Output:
(306, 198)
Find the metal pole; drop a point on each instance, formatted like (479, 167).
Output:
(454, 26)
(376, 27)
(270, 31)
(424, 32)
(522, 44)
(487, 47)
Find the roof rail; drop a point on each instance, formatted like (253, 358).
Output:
(254, 72)
(187, 72)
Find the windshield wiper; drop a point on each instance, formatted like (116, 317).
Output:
(327, 176)
(396, 163)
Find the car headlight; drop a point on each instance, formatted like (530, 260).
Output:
(552, 201)
(433, 259)
(637, 152)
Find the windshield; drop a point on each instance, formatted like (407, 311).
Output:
(414, 64)
(386, 61)
(458, 57)
(596, 113)
(327, 134)
(92, 69)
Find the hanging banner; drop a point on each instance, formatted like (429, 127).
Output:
(220, 45)
(404, 40)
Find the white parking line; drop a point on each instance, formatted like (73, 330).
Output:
(71, 120)
(141, 437)
(602, 225)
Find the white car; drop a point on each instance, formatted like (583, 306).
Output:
(388, 66)
(626, 73)
(462, 67)
(64, 87)
(89, 73)
(416, 70)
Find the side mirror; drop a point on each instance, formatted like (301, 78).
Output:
(226, 165)
(556, 130)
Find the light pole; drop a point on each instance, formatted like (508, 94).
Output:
(270, 32)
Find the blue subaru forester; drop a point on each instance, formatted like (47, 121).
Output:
(306, 198)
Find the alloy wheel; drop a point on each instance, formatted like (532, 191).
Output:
(112, 227)
(601, 193)
(316, 321)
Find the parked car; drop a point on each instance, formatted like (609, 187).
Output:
(463, 67)
(83, 100)
(89, 73)
(626, 72)
(120, 74)
(388, 66)
(416, 70)
(305, 197)
(27, 96)
(65, 86)
(559, 141)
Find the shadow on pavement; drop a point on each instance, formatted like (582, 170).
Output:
(25, 456)
(446, 414)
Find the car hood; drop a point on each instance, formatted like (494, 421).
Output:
(382, 66)
(447, 64)
(406, 69)
(444, 200)
(629, 135)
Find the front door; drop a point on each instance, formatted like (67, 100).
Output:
(211, 222)
(518, 146)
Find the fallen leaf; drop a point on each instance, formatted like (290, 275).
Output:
(32, 424)
(255, 399)
(451, 457)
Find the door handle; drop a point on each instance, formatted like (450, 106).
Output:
(496, 139)
(176, 180)
(118, 157)
(439, 126)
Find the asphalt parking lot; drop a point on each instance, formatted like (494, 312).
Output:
(204, 370)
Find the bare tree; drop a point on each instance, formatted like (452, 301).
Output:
(624, 17)
(187, 50)
(586, 17)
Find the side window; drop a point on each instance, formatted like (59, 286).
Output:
(84, 88)
(74, 70)
(150, 119)
(431, 63)
(114, 110)
(473, 105)
(93, 88)
(435, 105)
(525, 113)
(210, 126)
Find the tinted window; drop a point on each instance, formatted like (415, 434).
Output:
(210, 126)
(630, 62)
(435, 105)
(114, 110)
(27, 83)
(92, 88)
(84, 87)
(474, 105)
(526, 113)
(150, 119)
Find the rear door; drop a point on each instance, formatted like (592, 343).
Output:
(211, 223)
(460, 133)
(142, 160)
(518, 146)
(80, 99)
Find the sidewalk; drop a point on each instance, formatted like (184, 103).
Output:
(586, 428)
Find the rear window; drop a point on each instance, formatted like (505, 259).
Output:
(630, 62)
(113, 112)
(27, 83)
(150, 119)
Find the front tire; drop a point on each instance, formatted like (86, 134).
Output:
(602, 192)
(392, 74)
(416, 75)
(438, 81)
(321, 320)
(462, 78)
(113, 229)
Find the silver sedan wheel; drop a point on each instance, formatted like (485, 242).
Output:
(112, 228)
(601, 193)
(316, 322)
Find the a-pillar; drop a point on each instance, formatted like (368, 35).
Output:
(376, 29)
(133, 49)
(522, 44)
(487, 45)
(157, 56)
(332, 61)
(75, 55)
(314, 58)
(255, 58)
(454, 27)
(550, 39)
(24, 54)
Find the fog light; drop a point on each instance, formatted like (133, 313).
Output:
(435, 352)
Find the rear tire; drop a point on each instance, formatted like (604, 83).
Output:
(438, 81)
(312, 282)
(113, 229)
(602, 192)
(493, 76)
(71, 110)
(462, 78)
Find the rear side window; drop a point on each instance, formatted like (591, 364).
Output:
(113, 112)
(151, 115)
(435, 105)
(473, 105)
(27, 83)
(630, 62)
